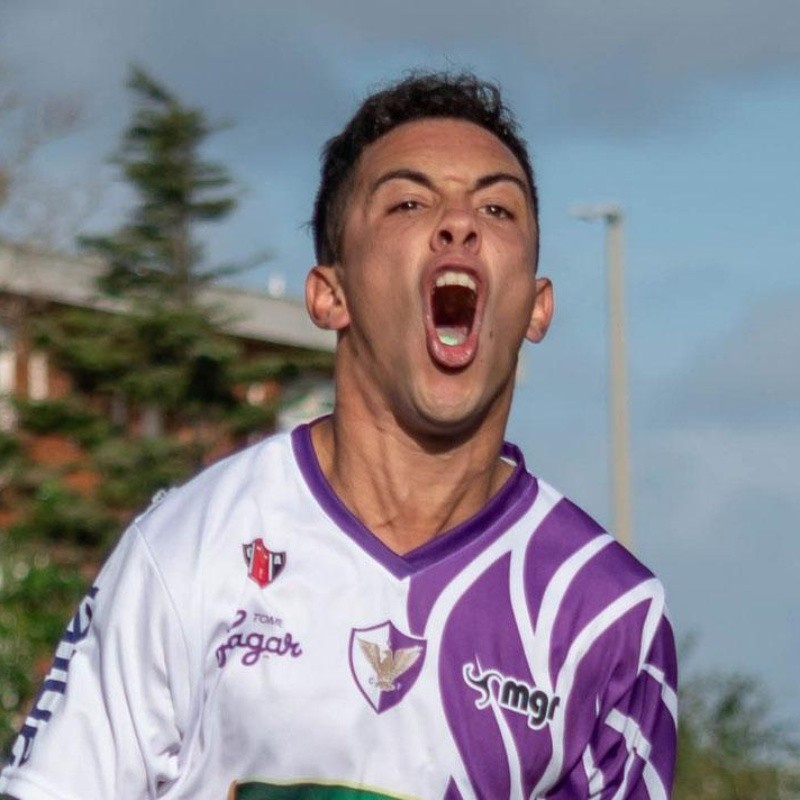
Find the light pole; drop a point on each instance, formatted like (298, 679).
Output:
(618, 384)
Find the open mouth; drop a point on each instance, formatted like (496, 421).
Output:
(454, 300)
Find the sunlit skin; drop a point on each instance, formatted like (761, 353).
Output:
(413, 446)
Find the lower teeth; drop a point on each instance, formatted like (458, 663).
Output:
(450, 336)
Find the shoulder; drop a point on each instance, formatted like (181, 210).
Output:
(602, 612)
(189, 542)
(584, 586)
(227, 482)
(225, 495)
(558, 534)
(567, 538)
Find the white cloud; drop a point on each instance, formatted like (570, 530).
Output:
(610, 67)
(717, 519)
(749, 377)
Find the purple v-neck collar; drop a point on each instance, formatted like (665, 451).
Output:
(503, 509)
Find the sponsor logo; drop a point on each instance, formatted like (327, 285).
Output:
(55, 684)
(511, 694)
(385, 663)
(263, 564)
(256, 790)
(251, 646)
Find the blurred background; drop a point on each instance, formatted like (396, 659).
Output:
(685, 115)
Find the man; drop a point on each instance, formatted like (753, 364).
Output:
(384, 603)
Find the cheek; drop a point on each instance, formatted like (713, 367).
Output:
(517, 289)
(509, 316)
(513, 254)
(379, 274)
(374, 297)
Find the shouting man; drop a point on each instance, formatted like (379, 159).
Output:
(384, 603)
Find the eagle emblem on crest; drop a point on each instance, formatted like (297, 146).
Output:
(385, 663)
(388, 664)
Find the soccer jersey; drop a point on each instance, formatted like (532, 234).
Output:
(249, 638)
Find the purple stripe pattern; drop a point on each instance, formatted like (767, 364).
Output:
(533, 584)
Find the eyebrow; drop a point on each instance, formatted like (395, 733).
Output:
(401, 174)
(422, 179)
(500, 177)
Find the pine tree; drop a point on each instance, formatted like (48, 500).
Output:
(165, 353)
(156, 252)
(160, 351)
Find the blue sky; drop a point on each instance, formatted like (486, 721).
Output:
(687, 114)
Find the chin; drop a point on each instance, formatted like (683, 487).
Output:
(452, 417)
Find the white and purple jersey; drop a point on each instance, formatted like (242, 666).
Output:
(249, 638)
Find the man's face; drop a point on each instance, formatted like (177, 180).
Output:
(437, 276)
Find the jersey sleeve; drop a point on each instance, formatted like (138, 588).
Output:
(632, 753)
(108, 720)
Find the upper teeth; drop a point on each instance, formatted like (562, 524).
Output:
(453, 278)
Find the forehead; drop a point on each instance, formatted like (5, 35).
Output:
(444, 149)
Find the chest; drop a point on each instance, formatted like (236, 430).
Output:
(328, 667)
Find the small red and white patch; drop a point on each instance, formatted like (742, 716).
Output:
(263, 564)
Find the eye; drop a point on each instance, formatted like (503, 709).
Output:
(405, 205)
(498, 211)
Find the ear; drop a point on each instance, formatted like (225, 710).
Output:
(325, 300)
(542, 313)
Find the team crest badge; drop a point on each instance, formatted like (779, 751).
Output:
(263, 564)
(385, 663)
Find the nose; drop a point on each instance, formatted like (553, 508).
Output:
(457, 227)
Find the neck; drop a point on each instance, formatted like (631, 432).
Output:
(409, 489)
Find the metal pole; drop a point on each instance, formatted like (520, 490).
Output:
(619, 466)
(618, 381)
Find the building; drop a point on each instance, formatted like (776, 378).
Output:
(33, 284)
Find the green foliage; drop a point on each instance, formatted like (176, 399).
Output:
(246, 420)
(59, 514)
(65, 416)
(36, 594)
(730, 746)
(155, 252)
(173, 356)
(282, 367)
(89, 346)
(9, 449)
(12, 470)
(153, 346)
(134, 470)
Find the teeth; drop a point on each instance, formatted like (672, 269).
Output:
(451, 336)
(454, 278)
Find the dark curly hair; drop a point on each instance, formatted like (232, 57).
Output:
(419, 96)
